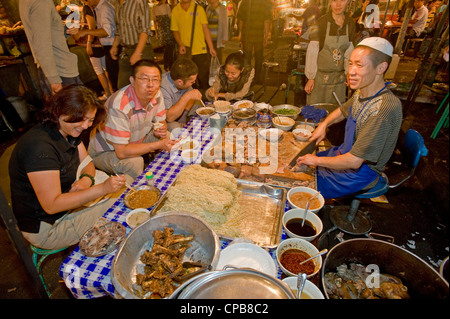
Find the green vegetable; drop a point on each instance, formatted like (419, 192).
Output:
(285, 111)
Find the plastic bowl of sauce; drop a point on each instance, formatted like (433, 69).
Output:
(137, 217)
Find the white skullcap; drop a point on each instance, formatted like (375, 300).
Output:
(379, 44)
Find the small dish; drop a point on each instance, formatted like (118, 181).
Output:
(302, 245)
(137, 217)
(243, 104)
(296, 215)
(205, 112)
(271, 134)
(145, 199)
(310, 291)
(283, 122)
(301, 134)
(189, 156)
(308, 190)
(247, 255)
(104, 237)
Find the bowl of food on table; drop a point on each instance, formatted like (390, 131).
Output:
(310, 291)
(287, 110)
(294, 226)
(137, 217)
(144, 196)
(301, 134)
(292, 251)
(299, 196)
(205, 112)
(243, 104)
(282, 122)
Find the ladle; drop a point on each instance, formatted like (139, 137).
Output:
(322, 252)
(301, 280)
(307, 207)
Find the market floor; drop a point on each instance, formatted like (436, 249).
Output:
(416, 214)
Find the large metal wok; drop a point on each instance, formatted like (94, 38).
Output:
(422, 280)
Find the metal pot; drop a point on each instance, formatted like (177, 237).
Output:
(204, 248)
(422, 280)
(238, 283)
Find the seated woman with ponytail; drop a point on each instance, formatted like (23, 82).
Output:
(233, 81)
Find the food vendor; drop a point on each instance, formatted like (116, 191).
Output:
(374, 116)
(327, 55)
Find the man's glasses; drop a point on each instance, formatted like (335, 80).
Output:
(148, 80)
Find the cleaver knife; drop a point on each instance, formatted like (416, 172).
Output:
(308, 149)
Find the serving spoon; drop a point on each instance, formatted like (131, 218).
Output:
(307, 207)
(301, 280)
(322, 252)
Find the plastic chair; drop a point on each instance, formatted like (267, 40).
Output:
(354, 222)
(38, 256)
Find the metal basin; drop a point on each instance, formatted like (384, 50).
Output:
(204, 248)
(239, 283)
(422, 280)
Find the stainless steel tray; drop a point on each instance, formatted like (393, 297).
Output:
(264, 207)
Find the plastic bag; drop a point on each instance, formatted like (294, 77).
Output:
(213, 69)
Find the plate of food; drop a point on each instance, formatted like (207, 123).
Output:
(243, 104)
(104, 237)
(247, 255)
(143, 196)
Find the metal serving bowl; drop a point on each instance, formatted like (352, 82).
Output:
(289, 107)
(204, 248)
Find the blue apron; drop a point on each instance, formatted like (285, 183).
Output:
(334, 183)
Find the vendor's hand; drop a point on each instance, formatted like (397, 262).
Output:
(319, 133)
(308, 159)
(309, 86)
(113, 184)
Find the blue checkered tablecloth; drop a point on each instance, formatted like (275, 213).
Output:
(89, 277)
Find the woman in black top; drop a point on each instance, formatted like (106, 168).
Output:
(47, 199)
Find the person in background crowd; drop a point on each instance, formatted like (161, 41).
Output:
(182, 26)
(179, 96)
(218, 25)
(105, 31)
(230, 16)
(233, 81)
(254, 26)
(132, 39)
(327, 55)
(373, 119)
(309, 17)
(47, 198)
(58, 67)
(418, 22)
(162, 13)
(131, 128)
(370, 17)
(94, 49)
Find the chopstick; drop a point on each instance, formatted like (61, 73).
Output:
(127, 185)
(202, 103)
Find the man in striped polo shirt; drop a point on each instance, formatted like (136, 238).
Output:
(373, 119)
(131, 128)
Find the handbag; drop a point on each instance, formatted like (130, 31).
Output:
(188, 53)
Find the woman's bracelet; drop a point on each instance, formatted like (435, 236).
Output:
(88, 176)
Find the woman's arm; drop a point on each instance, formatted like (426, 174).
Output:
(47, 186)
